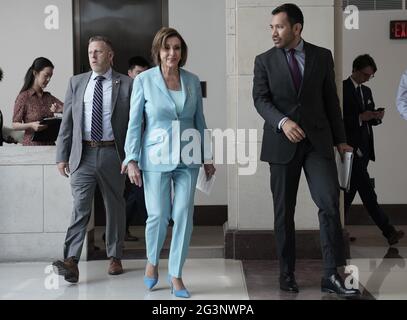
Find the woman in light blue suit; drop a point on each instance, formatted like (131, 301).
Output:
(170, 150)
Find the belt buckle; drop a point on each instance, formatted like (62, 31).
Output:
(93, 144)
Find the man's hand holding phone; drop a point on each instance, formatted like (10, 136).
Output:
(380, 113)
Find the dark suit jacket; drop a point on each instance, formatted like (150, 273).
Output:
(315, 108)
(69, 142)
(355, 133)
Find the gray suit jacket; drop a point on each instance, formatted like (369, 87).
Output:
(315, 108)
(69, 142)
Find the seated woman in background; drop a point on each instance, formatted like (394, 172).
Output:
(33, 103)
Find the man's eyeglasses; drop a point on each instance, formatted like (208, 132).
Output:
(367, 75)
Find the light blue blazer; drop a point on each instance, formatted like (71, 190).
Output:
(166, 133)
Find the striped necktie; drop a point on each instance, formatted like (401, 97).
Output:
(96, 132)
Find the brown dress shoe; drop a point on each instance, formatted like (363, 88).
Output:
(115, 266)
(67, 268)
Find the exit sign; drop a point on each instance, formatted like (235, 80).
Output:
(398, 29)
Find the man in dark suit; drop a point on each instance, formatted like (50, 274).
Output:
(360, 115)
(90, 147)
(295, 93)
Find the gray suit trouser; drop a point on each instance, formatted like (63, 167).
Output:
(323, 183)
(100, 165)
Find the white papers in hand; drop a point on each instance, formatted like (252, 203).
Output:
(344, 168)
(203, 184)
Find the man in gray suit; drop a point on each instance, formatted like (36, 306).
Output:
(295, 93)
(90, 147)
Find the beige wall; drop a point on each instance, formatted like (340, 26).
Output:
(35, 206)
(25, 37)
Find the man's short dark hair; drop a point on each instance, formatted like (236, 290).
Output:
(293, 12)
(138, 61)
(364, 61)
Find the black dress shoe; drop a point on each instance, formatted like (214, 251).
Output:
(288, 283)
(335, 284)
(130, 237)
(395, 237)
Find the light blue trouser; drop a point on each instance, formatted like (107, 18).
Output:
(157, 190)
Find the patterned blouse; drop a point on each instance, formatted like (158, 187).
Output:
(29, 107)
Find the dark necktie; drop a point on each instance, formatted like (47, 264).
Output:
(96, 132)
(295, 70)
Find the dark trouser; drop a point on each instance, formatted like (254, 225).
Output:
(360, 182)
(322, 180)
(135, 204)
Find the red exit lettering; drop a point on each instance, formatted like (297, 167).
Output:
(400, 30)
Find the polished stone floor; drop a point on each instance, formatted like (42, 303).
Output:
(206, 279)
(381, 271)
(262, 281)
